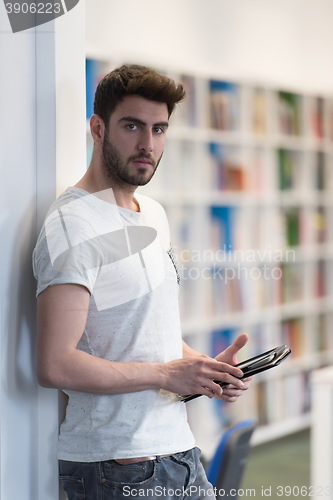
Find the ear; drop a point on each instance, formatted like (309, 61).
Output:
(97, 128)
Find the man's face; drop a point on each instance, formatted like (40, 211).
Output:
(134, 140)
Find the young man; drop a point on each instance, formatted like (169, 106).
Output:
(108, 324)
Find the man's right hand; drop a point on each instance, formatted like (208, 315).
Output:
(197, 375)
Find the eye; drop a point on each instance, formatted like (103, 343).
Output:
(131, 126)
(158, 130)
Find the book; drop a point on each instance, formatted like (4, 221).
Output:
(292, 282)
(289, 113)
(224, 105)
(187, 112)
(91, 71)
(222, 221)
(292, 335)
(320, 183)
(94, 73)
(317, 118)
(289, 169)
(292, 226)
(259, 111)
(227, 172)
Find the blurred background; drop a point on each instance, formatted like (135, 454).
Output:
(246, 180)
(247, 183)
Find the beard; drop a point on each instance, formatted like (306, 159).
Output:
(118, 170)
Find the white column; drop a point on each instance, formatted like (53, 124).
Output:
(42, 149)
(322, 434)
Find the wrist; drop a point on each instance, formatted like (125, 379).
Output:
(158, 376)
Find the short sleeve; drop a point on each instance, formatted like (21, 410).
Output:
(67, 251)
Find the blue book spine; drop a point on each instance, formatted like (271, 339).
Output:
(91, 76)
(224, 216)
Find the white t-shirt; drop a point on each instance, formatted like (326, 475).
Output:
(122, 258)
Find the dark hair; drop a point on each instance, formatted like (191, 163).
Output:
(133, 79)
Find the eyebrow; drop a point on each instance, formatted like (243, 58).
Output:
(133, 119)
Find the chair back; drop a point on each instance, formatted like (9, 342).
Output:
(225, 470)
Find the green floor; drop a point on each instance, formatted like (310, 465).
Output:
(279, 469)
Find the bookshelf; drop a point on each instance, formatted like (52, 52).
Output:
(246, 180)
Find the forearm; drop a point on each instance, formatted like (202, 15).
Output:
(80, 371)
(85, 373)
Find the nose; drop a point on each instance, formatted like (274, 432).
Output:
(146, 142)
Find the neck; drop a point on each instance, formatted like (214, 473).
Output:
(94, 181)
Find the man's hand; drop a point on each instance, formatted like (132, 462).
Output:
(231, 392)
(197, 374)
(229, 355)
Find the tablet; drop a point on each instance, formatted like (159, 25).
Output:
(252, 366)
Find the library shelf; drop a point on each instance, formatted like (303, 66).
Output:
(247, 183)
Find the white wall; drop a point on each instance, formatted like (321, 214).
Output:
(18, 230)
(283, 42)
(41, 92)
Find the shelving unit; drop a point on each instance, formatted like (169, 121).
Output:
(247, 183)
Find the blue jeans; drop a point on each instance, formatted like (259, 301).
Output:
(180, 476)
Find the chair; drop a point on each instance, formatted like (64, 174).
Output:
(225, 470)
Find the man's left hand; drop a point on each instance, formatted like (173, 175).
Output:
(229, 355)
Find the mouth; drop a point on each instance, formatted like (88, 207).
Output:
(143, 162)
